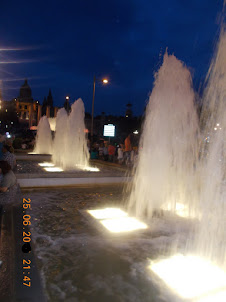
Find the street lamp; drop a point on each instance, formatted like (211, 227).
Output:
(67, 103)
(104, 81)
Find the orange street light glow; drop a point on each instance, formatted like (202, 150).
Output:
(105, 81)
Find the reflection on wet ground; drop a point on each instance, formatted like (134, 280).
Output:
(79, 263)
(33, 167)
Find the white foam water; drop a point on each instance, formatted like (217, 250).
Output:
(43, 141)
(59, 143)
(165, 175)
(210, 237)
(70, 144)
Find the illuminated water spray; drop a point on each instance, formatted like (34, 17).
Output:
(70, 149)
(43, 141)
(165, 176)
(211, 233)
(59, 144)
(201, 276)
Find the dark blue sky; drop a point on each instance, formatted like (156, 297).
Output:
(62, 44)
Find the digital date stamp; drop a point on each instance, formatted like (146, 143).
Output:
(26, 247)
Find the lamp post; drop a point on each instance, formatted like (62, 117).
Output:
(67, 104)
(104, 81)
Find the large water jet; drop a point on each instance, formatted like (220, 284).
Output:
(165, 173)
(210, 237)
(43, 141)
(59, 143)
(70, 149)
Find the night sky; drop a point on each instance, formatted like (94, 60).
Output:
(62, 44)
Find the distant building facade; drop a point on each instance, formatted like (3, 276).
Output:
(27, 108)
(29, 111)
(47, 106)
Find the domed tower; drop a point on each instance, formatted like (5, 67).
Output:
(25, 93)
(26, 107)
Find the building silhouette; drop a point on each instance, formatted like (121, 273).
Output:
(29, 111)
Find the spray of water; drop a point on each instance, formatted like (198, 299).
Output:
(59, 144)
(210, 238)
(52, 123)
(43, 142)
(165, 175)
(70, 146)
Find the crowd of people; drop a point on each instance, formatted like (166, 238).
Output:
(123, 154)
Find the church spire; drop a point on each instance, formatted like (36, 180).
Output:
(50, 99)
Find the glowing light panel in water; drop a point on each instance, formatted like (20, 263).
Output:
(107, 213)
(45, 164)
(123, 224)
(87, 168)
(53, 169)
(92, 169)
(116, 221)
(179, 209)
(192, 277)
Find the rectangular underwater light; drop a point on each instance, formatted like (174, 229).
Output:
(116, 220)
(123, 224)
(53, 169)
(87, 168)
(45, 164)
(192, 277)
(179, 209)
(107, 213)
(92, 169)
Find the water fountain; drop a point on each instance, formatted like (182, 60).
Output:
(76, 151)
(43, 142)
(174, 175)
(70, 146)
(199, 274)
(210, 238)
(165, 176)
(59, 143)
(52, 123)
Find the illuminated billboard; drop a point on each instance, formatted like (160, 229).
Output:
(109, 130)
